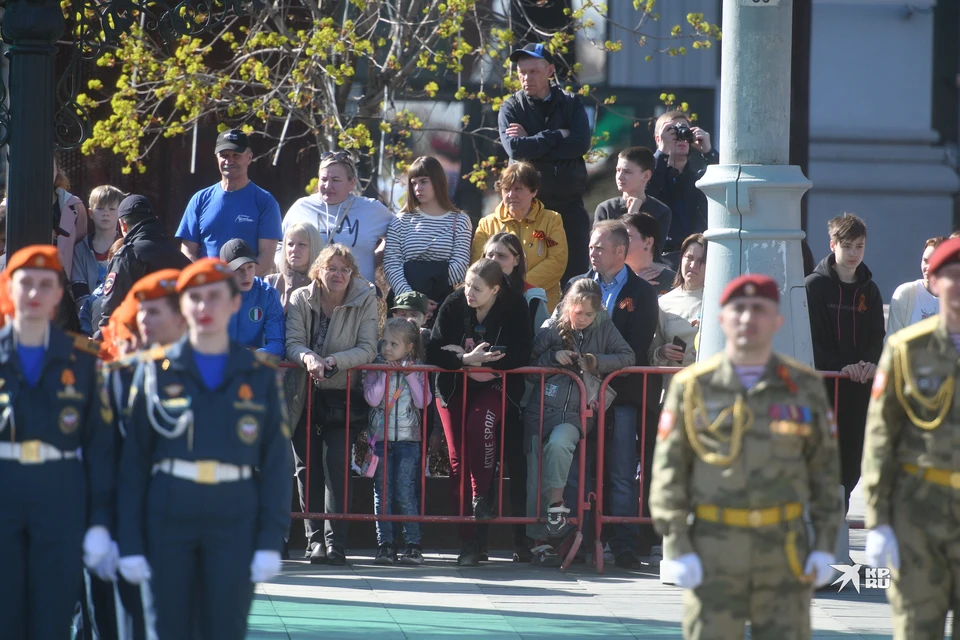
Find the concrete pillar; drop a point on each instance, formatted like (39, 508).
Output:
(754, 194)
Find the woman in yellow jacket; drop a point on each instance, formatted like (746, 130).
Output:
(539, 229)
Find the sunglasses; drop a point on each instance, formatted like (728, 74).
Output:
(336, 156)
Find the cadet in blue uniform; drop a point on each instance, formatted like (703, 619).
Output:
(52, 406)
(205, 468)
(152, 306)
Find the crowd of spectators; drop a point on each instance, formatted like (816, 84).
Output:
(532, 283)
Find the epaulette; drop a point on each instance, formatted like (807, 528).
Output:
(124, 362)
(793, 363)
(914, 331)
(85, 344)
(267, 359)
(694, 371)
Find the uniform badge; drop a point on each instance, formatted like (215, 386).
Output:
(245, 397)
(879, 384)
(69, 420)
(108, 283)
(256, 314)
(832, 420)
(245, 392)
(68, 380)
(173, 390)
(666, 424)
(247, 429)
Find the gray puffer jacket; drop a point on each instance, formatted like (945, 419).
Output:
(561, 395)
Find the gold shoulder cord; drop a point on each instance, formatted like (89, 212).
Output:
(693, 408)
(903, 380)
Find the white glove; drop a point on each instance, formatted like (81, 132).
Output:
(265, 565)
(818, 563)
(96, 546)
(686, 571)
(107, 569)
(882, 549)
(134, 569)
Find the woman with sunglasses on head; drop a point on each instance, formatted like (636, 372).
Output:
(331, 327)
(343, 217)
(204, 472)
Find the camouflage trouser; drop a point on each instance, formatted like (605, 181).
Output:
(926, 521)
(749, 574)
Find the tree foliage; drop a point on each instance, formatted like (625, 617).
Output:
(323, 74)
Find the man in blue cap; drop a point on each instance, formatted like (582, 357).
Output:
(549, 128)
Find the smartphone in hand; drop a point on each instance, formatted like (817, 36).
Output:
(498, 349)
(678, 342)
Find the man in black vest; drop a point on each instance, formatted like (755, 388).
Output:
(548, 127)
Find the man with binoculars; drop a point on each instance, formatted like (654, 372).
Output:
(675, 177)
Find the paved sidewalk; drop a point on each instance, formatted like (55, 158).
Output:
(504, 600)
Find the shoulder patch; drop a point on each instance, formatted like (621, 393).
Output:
(914, 331)
(85, 344)
(694, 371)
(267, 359)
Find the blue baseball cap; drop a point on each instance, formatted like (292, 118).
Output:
(533, 50)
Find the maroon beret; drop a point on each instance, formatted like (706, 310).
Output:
(948, 252)
(754, 284)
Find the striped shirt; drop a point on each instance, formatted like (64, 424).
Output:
(416, 236)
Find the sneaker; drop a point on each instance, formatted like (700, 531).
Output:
(557, 517)
(483, 508)
(469, 555)
(386, 554)
(543, 555)
(412, 555)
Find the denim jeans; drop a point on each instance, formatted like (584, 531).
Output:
(403, 469)
(620, 463)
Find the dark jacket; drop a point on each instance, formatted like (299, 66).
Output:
(679, 192)
(616, 208)
(635, 314)
(145, 249)
(507, 324)
(559, 160)
(242, 422)
(846, 319)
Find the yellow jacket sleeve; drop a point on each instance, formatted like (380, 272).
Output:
(480, 237)
(548, 272)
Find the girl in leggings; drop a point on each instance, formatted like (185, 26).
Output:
(483, 324)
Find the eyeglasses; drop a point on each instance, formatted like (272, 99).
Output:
(345, 271)
(337, 156)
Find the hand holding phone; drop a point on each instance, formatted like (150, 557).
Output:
(498, 349)
(678, 342)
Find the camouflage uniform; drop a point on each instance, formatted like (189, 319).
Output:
(911, 474)
(747, 463)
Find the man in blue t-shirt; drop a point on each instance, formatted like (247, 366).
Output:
(260, 323)
(233, 208)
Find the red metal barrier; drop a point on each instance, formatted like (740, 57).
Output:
(600, 518)
(568, 551)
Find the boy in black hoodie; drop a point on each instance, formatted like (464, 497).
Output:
(847, 326)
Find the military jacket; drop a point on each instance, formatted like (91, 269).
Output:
(723, 445)
(67, 409)
(171, 414)
(913, 418)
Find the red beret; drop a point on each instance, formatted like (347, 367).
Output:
(156, 285)
(36, 256)
(203, 271)
(947, 253)
(754, 284)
